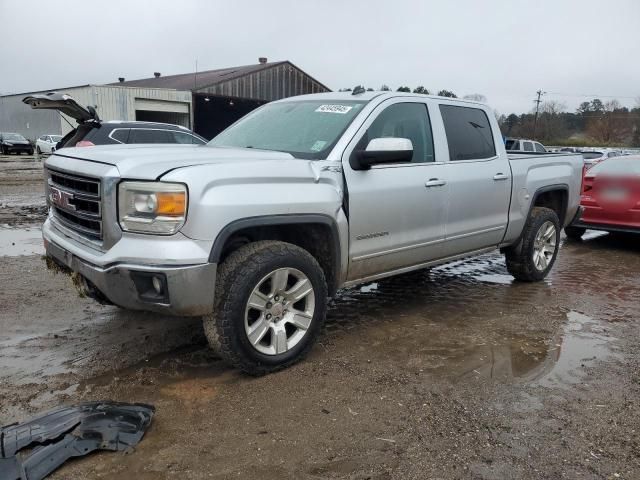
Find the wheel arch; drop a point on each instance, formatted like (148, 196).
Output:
(316, 233)
(555, 197)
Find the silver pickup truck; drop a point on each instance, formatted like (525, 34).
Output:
(301, 197)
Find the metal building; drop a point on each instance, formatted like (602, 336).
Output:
(222, 96)
(112, 103)
(206, 102)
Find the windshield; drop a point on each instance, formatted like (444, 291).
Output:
(617, 166)
(14, 136)
(56, 138)
(305, 129)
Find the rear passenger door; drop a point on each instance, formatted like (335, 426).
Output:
(396, 211)
(479, 181)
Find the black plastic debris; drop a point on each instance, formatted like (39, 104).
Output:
(52, 438)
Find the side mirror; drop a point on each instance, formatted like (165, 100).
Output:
(382, 150)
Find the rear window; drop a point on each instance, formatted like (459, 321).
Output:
(512, 145)
(617, 166)
(591, 155)
(468, 133)
(120, 134)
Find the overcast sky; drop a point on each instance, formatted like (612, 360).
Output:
(503, 49)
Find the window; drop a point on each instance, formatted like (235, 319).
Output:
(512, 144)
(404, 120)
(623, 166)
(43, 138)
(306, 129)
(527, 146)
(468, 133)
(141, 135)
(185, 138)
(120, 135)
(540, 148)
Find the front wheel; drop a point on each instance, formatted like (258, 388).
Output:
(269, 306)
(532, 258)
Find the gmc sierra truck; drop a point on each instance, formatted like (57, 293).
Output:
(303, 196)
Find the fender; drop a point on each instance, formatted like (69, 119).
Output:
(549, 188)
(284, 219)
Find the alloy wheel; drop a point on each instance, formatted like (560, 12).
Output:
(279, 311)
(544, 245)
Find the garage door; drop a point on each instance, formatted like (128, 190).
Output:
(161, 106)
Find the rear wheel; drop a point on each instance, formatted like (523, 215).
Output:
(38, 151)
(574, 233)
(269, 306)
(532, 258)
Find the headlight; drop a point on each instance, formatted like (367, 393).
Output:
(152, 207)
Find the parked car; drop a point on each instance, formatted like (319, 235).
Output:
(47, 143)
(299, 198)
(93, 131)
(524, 145)
(14, 143)
(593, 157)
(610, 197)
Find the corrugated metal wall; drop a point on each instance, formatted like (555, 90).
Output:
(112, 103)
(274, 83)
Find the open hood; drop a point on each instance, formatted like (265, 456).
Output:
(63, 103)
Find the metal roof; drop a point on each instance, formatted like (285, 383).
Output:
(198, 80)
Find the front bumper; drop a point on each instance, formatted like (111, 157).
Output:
(17, 148)
(187, 289)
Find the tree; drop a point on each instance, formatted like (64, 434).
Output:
(421, 89)
(385, 88)
(447, 93)
(597, 105)
(475, 97)
(404, 89)
(585, 107)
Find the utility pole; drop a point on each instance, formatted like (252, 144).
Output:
(535, 120)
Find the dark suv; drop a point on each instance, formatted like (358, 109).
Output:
(93, 131)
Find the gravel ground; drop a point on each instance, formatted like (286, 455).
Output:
(456, 372)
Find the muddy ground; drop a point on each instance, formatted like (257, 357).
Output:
(457, 372)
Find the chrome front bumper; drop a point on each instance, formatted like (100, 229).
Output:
(187, 289)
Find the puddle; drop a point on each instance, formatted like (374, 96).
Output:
(583, 343)
(15, 242)
(554, 360)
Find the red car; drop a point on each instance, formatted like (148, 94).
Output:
(610, 197)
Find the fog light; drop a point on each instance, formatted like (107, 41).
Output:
(157, 284)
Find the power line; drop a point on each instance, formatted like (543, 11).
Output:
(593, 95)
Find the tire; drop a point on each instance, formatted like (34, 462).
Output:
(31, 152)
(574, 233)
(249, 272)
(536, 252)
(38, 151)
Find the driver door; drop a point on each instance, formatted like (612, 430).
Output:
(397, 212)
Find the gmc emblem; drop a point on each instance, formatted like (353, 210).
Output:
(61, 199)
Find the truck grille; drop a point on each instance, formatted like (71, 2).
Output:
(76, 202)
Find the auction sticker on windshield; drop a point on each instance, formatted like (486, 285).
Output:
(333, 109)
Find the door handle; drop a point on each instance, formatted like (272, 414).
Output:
(500, 176)
(435, 182)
